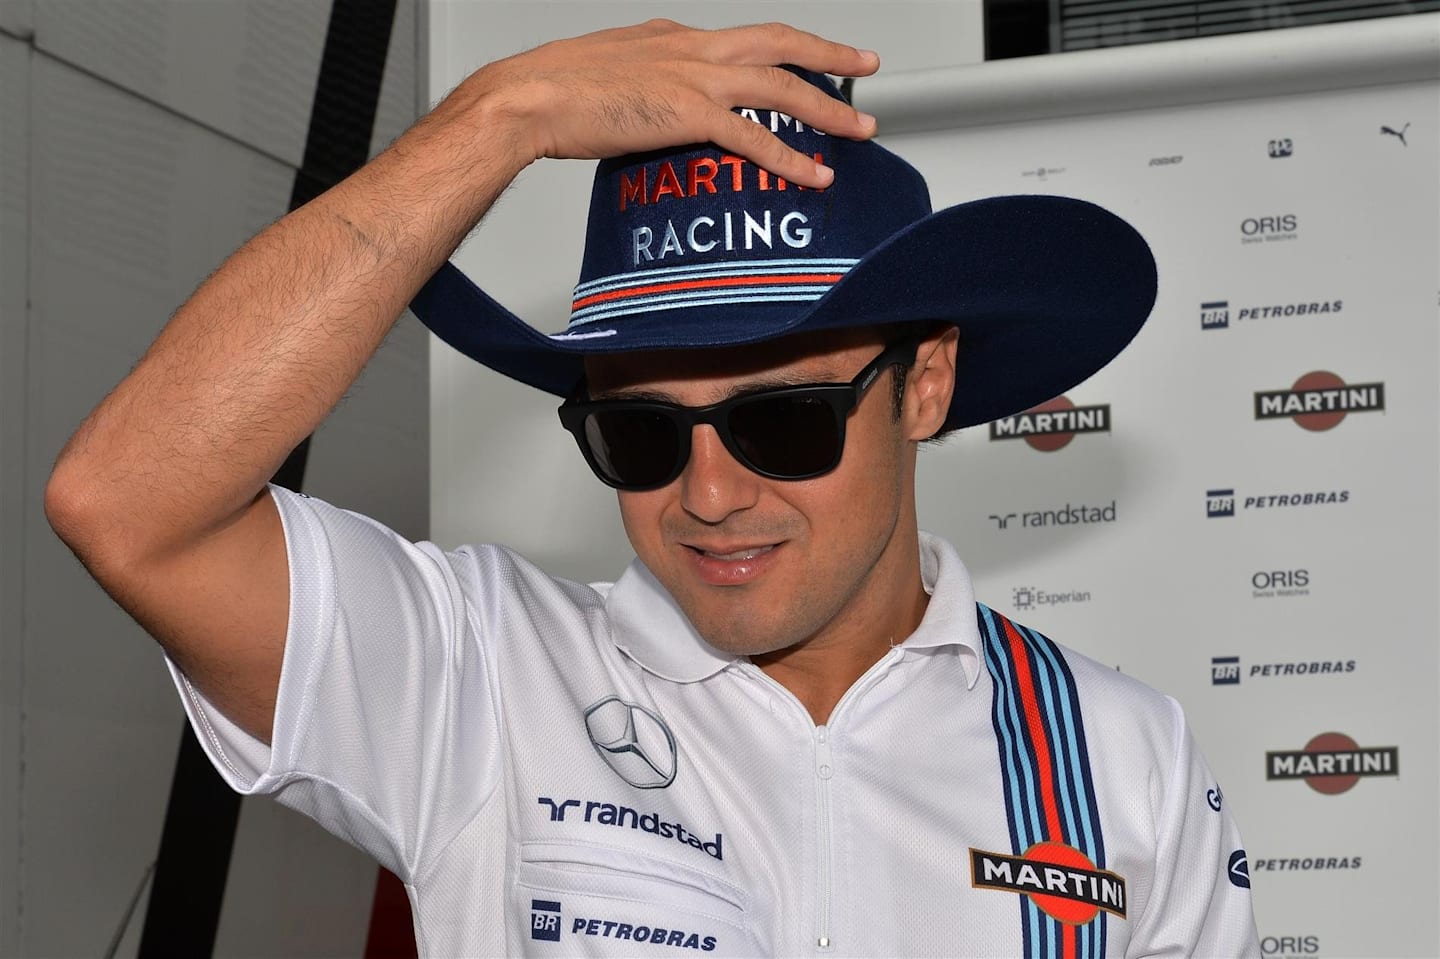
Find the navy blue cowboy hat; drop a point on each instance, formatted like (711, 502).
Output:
(693, 248)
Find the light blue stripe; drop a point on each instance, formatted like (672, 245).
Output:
(1072, 742)
(650, 306)
(1030, 805)
(1017, 796)
(1059, 739)
(700, 269)
(818, 289)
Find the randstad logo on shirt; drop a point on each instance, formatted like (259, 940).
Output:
(609, 814)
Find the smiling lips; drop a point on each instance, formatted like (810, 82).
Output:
(733, 567)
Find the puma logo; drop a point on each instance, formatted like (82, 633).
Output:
(1399, 134)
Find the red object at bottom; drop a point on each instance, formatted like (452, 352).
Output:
(392, 931)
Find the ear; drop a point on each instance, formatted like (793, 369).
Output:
(930, 384)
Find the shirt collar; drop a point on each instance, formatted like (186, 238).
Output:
(650, 628)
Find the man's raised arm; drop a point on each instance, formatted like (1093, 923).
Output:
(161, 492)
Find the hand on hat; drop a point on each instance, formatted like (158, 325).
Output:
(661, 84)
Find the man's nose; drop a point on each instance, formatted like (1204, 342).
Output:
(714, 484)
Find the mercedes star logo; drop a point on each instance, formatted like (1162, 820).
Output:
(633, 741)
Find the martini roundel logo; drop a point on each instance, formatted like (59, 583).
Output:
(1060, 880)
(1053, 424)
(1319, 401)
(1332, 763)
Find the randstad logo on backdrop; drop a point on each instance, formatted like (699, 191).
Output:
(1221, 502)
(1067, 515)
(1051, 426)
(1319, 401)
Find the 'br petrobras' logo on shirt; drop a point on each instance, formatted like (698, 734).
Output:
(634, 742)
(545, 920)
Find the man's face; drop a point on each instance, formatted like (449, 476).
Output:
(760, 565)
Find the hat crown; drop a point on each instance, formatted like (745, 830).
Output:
(700, 227)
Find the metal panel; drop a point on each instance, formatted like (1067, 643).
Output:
(14, 263)
(246, 68)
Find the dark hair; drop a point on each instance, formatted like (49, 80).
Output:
(900, 376)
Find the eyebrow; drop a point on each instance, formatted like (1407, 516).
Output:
(771, 382)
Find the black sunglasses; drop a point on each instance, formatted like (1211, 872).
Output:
(789, 433)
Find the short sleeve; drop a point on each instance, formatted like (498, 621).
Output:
(386, 728)
(1200, 902)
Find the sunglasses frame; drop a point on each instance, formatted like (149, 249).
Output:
(841, 398)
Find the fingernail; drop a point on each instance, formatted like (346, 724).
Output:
(866, 120)
(870, 54)
(825, 175)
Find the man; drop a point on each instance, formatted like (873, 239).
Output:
(788, 727)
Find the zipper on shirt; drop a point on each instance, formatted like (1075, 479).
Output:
(823, 771)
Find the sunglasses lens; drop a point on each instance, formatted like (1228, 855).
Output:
(633, 447)
(787, 436)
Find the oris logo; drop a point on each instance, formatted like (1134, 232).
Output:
(1319, 401)
(1286, 947)
(1263, 229)
(1268, 584)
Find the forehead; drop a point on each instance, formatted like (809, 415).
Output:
(824, 356)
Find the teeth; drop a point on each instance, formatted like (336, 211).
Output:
(742, 554)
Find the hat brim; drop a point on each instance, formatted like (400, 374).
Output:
(1045, 291)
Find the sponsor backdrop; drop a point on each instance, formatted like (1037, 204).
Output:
(1241, 511)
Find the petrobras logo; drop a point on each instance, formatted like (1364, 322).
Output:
(1269, 228)
(624, 817)
(1226, 670)
(1215, 315)
(1332, 763)
(1223, 502)
(634, 741)
(1219, 502)
(547, 924)
(1272, 583)
(1280, 148)
(1052, 425)
(1068, 515)
(1060, 880)
(1031, 597)
(1319, 400)
(545, 920)
(1307, 864)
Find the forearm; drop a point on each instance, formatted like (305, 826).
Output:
(264, 349)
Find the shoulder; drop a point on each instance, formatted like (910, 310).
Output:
(1025, 663)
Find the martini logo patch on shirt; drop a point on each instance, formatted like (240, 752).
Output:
(1059, 879)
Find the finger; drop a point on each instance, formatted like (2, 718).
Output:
(766, 44)
(740, 136)
(778, 89)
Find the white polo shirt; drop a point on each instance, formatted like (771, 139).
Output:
(558, 769)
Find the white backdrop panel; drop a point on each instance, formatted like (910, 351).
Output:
(1164, 589)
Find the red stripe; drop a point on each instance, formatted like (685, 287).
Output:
(1036, 725)
(707, 284)
(1068, 940)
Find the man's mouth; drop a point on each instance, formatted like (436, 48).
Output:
(735, 555)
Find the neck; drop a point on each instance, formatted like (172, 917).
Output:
(882, 614)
